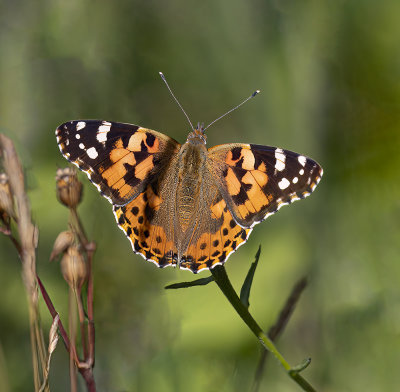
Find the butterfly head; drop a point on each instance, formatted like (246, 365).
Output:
(197, 136)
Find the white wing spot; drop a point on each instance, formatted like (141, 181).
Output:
(280, 159)
(80, 125)
(78, 136)
(92, 153)
(284, 183)
(295, 180)
(301, 172)
(302, 160)
(81, 146)
(101, 135)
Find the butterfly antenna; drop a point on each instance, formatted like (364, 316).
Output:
(176, 100)
(230, 111)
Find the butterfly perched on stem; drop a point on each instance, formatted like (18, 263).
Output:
(185, 205)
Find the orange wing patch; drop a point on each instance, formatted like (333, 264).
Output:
(243, 182)
(139, 138)
(129, 164)
(257, 180)
(214, 247)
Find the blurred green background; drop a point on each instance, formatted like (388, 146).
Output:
(330, 79)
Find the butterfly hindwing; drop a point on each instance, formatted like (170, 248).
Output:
(257, 180)
(148, 236)
(118, 158)
(214, 246)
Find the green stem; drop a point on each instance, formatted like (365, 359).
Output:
(78, 227)
(223, 282)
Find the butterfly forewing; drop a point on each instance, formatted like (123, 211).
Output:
(257, 180)
(120, 159)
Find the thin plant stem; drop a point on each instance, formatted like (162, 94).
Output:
(279, 326)
(90, 249)
(72, 335)
(81, 313)
(54, 313)
(35, 362)
(223, 282)
(78, 227)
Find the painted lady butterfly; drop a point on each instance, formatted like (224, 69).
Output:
(183, 204)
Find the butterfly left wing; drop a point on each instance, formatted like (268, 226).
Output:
(120, 159)
(256, 180)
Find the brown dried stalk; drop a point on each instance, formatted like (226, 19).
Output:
(26, 244)
(27, 251)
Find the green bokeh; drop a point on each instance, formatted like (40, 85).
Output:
(329, 72)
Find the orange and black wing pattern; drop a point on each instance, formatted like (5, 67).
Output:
(120, 159)
(219, 238)
(255, 181)
(126, 163)
(149, 236)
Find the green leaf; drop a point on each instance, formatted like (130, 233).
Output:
(197, 282)
(245, 291)
(299, 368)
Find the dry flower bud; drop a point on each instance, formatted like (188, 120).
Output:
(73, 268)
(69, 188)
(6, 200)
(63, 241)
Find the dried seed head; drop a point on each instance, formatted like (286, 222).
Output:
(63, 241)
(53, 340)
(73, 268)
(6, 200)
(69, 188)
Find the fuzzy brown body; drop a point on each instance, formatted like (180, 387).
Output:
(191, 167)
(186, 201)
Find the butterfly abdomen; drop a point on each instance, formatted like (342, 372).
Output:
(191, 163)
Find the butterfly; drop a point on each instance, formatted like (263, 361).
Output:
(185, 205)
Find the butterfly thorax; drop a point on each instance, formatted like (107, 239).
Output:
(191, 165)
(197, 136)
